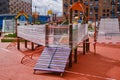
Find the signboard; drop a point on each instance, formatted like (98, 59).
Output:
(8, 26)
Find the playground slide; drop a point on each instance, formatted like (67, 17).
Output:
(53, 59)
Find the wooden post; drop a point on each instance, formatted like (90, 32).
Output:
(70, 18)
(70, 38)
(18, 39)
(84, 47)
(32, 45)
(16, 26)
(70, 44)
(75, 55)
(87, 45)
(87, 40)
(25, 43)
(46, 35)
(18, 43)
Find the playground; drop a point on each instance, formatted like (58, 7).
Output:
(105, 65)
(62, 52)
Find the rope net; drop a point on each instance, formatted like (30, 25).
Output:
(58, 36)
(109, 30)
(33, 33)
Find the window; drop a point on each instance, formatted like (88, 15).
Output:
(112, 2)
(104, 15)
(76, 11)
(103, 10)
(70, 1)
(107, 10)
(96, 15)
(96, 8)
(107, 15)
(91, 13)
(65, 4)
(118, 8)
(75, 0)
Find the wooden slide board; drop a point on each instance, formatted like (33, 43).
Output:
(58, 62)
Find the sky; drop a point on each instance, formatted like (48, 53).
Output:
(42, 6)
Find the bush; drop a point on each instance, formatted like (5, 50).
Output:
(11, 35)
(37, 22)
(10, 40)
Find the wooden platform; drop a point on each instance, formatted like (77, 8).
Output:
(53, 59)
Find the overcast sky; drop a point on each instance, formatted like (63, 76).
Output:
(42, 6)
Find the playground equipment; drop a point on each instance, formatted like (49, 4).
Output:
(108, 31)
(8, 26)
(59, 42)
(24, 15)
(55, 38)
(13, 28)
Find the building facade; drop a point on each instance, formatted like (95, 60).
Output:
(97, 8)
(15, 6)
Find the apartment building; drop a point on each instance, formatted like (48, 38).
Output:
(14, 6)
(97, 8)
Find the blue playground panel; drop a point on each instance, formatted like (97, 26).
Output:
(2, 17)
(44, 19)
(1, 21)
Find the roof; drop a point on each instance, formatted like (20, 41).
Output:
(21, 13)
(78, 6)
(7, 14)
